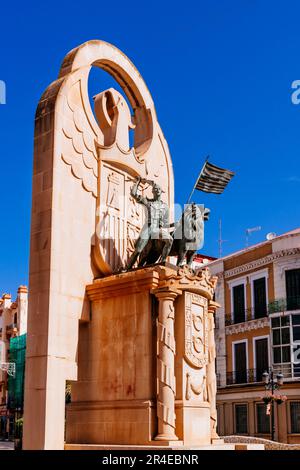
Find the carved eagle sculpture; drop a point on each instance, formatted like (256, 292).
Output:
(97, 148)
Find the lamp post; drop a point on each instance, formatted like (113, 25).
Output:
(272, 384)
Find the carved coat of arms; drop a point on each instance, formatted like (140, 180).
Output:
(196, 330)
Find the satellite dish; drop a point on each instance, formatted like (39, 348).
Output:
(271, 235)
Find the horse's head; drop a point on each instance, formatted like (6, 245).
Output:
(198, 212)
(195, 216)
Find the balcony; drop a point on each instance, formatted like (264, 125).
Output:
(246, 376)
(288, 369)
(278, 305)
(250, 376)
(245, 315)
(284, 304)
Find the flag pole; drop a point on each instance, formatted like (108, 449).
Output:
(192, 192)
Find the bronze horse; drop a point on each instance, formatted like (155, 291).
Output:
(188, 237)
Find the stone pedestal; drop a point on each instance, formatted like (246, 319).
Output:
(142, 361)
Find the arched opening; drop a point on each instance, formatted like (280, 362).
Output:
(99, 81)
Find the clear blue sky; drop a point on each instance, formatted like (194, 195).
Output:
(220, 73)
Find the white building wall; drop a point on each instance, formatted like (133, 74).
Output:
(22, 310)
(284, 263)
(220, 338)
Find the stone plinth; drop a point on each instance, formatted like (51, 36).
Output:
(143, 361)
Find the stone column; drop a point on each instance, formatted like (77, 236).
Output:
(211, 370)
(166, 364)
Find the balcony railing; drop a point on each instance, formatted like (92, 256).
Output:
(248, 376)
(278, 305)
(284, 304)
(245, 376)
(245, 315)
(288, 369)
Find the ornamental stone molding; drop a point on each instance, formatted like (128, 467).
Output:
(201, 281)
(247, 326)
(258, 263)
(151, 278)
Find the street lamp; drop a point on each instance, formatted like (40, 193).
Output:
(272, 384)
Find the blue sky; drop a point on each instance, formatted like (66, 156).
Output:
(220, 74)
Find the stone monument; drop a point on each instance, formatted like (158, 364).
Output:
(137, 344)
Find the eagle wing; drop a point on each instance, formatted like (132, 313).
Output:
(81, 134)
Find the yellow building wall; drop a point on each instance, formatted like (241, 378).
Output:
(270, 284)
(248, 335)
(248, 256)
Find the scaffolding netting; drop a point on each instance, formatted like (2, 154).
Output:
(17, 350)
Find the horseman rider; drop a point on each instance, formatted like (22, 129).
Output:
(157, 222)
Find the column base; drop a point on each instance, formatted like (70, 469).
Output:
(217, 441)
(166, 437)
(167, 444)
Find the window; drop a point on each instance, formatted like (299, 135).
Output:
(240, 362)
(292, 282)
(261, 357)
(260, 297)
(286, 344)
(241, 419)
(296, 345)
(295, 416)
(281, 340)
(262, 419)
(238, 293)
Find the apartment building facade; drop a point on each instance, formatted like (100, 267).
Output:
(258, 330)
(13, 323)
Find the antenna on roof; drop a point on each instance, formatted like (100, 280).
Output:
(249, 231)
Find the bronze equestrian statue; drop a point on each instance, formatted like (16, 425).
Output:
(157, 222)
(159, 239)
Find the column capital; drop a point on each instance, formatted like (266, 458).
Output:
(212, 306)
(166, 292)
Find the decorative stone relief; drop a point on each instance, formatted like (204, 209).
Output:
(194, 387)
(196, 330)
(88, 142)
(79, 140)
(247, 326)
(260, 262)
(185, 276)
(112, 199)
(166, 386)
